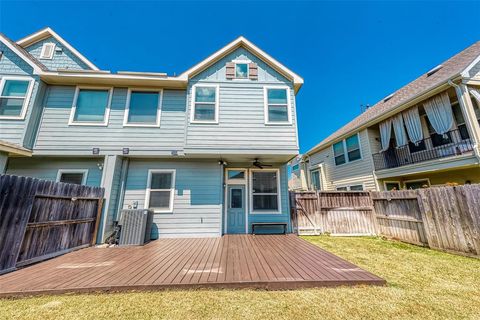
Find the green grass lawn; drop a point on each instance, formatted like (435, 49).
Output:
(422, 284)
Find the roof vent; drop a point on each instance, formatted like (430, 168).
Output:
(47, 51)
(429, 73)
(388, 97)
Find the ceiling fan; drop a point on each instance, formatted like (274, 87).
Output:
(260, 165)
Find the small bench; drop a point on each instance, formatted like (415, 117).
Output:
(283, 224)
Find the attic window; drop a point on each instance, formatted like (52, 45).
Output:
(429, 73)
(47, 51)
(388, 97)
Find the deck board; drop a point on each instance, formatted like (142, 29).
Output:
(232, 261)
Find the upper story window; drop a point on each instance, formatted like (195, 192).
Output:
(91, 106)
(14, 97)
(277, 105)
(347, 150)
(47, 51)
(160, 190)
(241, 70)
(204, 104)
(143, 108)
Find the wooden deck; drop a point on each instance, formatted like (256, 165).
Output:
(232, 261)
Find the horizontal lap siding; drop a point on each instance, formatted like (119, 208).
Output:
(47, 168)
(56, 133)
(241, 111)
(12, 65)
(354, 173)
(197, 202)
(61, 60)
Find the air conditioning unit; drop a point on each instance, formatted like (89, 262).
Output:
(136, 226)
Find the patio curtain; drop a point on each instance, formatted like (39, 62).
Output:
(439, 112)
(399, 128)
(385, 133)
(413, 125)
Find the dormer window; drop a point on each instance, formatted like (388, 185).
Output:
(47, 51)
(241, 70)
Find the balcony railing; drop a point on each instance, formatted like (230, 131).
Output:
(455, 142)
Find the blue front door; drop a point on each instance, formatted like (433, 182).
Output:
(236, 209)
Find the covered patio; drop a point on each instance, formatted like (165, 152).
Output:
(273, 262)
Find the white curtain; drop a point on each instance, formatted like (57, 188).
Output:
(439, 112)
(413, 124)
(385, 133)
(399, 128)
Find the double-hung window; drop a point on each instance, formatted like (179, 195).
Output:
(265, 191)
(143, 108)
(277, 105)
(347, 150)
(14, 97)
(91, 106)
(205, 104)
(160, 191)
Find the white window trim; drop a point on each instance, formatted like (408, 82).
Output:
(265, 106)
(279, 191)
(247, 62)
(106, 115)
(127, 108)
(348, 186)
(172, 189)
(236, 181)
(345, 152)
(82, 171)
(42, 53)
(319, 170)
(192, 104)
(26, 100)
(392, 181)
(416, 180)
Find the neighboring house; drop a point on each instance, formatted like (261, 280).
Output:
(426, 133)
(207, 150)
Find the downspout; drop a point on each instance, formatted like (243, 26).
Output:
(460, 96)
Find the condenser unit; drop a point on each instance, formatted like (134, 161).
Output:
(135, 228)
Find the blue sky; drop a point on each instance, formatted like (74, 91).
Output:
(349, 53)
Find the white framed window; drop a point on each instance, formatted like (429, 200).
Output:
(391, 185)
(277, 105)
(143, 108)
(75, 176)
(48, 50)
(160, 190)
(91, 106)
(205, 102)
(295, 167)
(15, 94)
(416, 184)
(265, 191)
(347, 150)
(353, 187)
(236, 176)
(241, 70)
(315, 178)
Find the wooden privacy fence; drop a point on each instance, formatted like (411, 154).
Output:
(445, 218)
(41, 219)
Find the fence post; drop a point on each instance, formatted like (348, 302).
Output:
(427, 218)
(97, 220)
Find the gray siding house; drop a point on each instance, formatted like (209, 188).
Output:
(207, 150)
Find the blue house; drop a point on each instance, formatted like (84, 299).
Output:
(206, 150)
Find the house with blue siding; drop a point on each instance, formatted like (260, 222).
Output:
(206, 150)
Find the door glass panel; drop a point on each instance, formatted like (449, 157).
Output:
(236, 174)
(236, 199)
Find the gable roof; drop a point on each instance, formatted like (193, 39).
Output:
(48, 32)
(37, 66)
(452, 68)
(235, 44)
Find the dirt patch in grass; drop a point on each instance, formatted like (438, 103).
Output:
(422, 284)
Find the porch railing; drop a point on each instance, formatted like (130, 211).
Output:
(455, 142)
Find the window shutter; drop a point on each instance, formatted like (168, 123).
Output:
(253, 71)
(230, 70)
